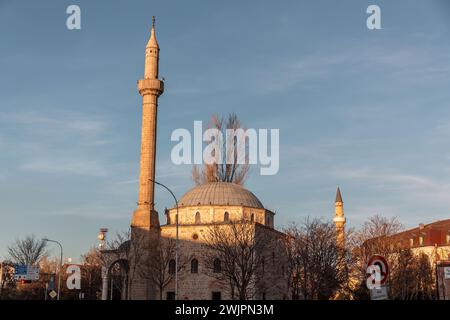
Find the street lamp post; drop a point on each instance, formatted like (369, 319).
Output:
(60, 264)
(177, 237)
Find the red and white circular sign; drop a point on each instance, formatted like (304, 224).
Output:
(381, 262)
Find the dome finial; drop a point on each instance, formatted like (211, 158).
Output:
(153, 21)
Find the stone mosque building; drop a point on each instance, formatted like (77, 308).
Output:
(198, 209)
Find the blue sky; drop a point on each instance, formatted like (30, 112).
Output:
(366, 110)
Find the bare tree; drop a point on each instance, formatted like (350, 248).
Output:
(230, 167)
(374, 237)
(161, 265)
(411, 276)
(236, 256)
(7, 278)
(317, 265)
(125, 257)
(91, 273)
(425, 278)
(27, 251)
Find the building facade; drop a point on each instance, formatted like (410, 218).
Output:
(218, 205)
(201, 209)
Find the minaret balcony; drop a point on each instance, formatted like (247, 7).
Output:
(150, 86)
(339, 219)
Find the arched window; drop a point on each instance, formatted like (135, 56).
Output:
(197, 217)
(252, 217)
(217, 266)
(226, 217)
(194, 266)
(172, 266)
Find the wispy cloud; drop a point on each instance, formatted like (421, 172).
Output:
(96, 210)
(61, 166)
(406, 188)
(391, 180)
(60, 143)
(404, 65)
(59, 125)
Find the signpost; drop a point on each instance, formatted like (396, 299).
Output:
(378, 272)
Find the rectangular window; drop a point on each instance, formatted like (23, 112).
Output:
(411, 242)
(420, 240)
(448, 238)
(216, 295)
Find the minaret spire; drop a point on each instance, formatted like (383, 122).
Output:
(152, 55)
(338, 196)
(339, 219)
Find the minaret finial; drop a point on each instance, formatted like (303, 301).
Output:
(152, 41)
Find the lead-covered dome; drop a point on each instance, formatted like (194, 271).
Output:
(220, 193)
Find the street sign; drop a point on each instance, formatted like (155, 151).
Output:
(20, 272)
(33, 273)
(378, 272)
(381, 262)
(447, 273)
(379, 294)
(27, 273)
(53, 294)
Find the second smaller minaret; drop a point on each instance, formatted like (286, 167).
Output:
(339, 219)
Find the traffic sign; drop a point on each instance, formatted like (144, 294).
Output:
(25, 272)
(447, 273)
(20, 272)
(53, 294)
(381, 262)
(379, 294)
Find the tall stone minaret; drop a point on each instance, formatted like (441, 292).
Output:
(339, 219)
(145, 229)
(150, 88)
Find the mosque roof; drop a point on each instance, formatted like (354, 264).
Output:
(220, 193)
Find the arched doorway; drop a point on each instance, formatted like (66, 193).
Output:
(118, 280)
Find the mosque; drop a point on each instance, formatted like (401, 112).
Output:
(204, 206)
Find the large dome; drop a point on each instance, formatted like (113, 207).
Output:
(220, 193)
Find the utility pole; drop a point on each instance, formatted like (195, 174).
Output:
(60, 264)
(1, 278)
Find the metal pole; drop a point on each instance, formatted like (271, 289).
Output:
(1, 278)
(177, 237)
(112, 286)
(437, 279)
(176, 256)
(60, 265)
